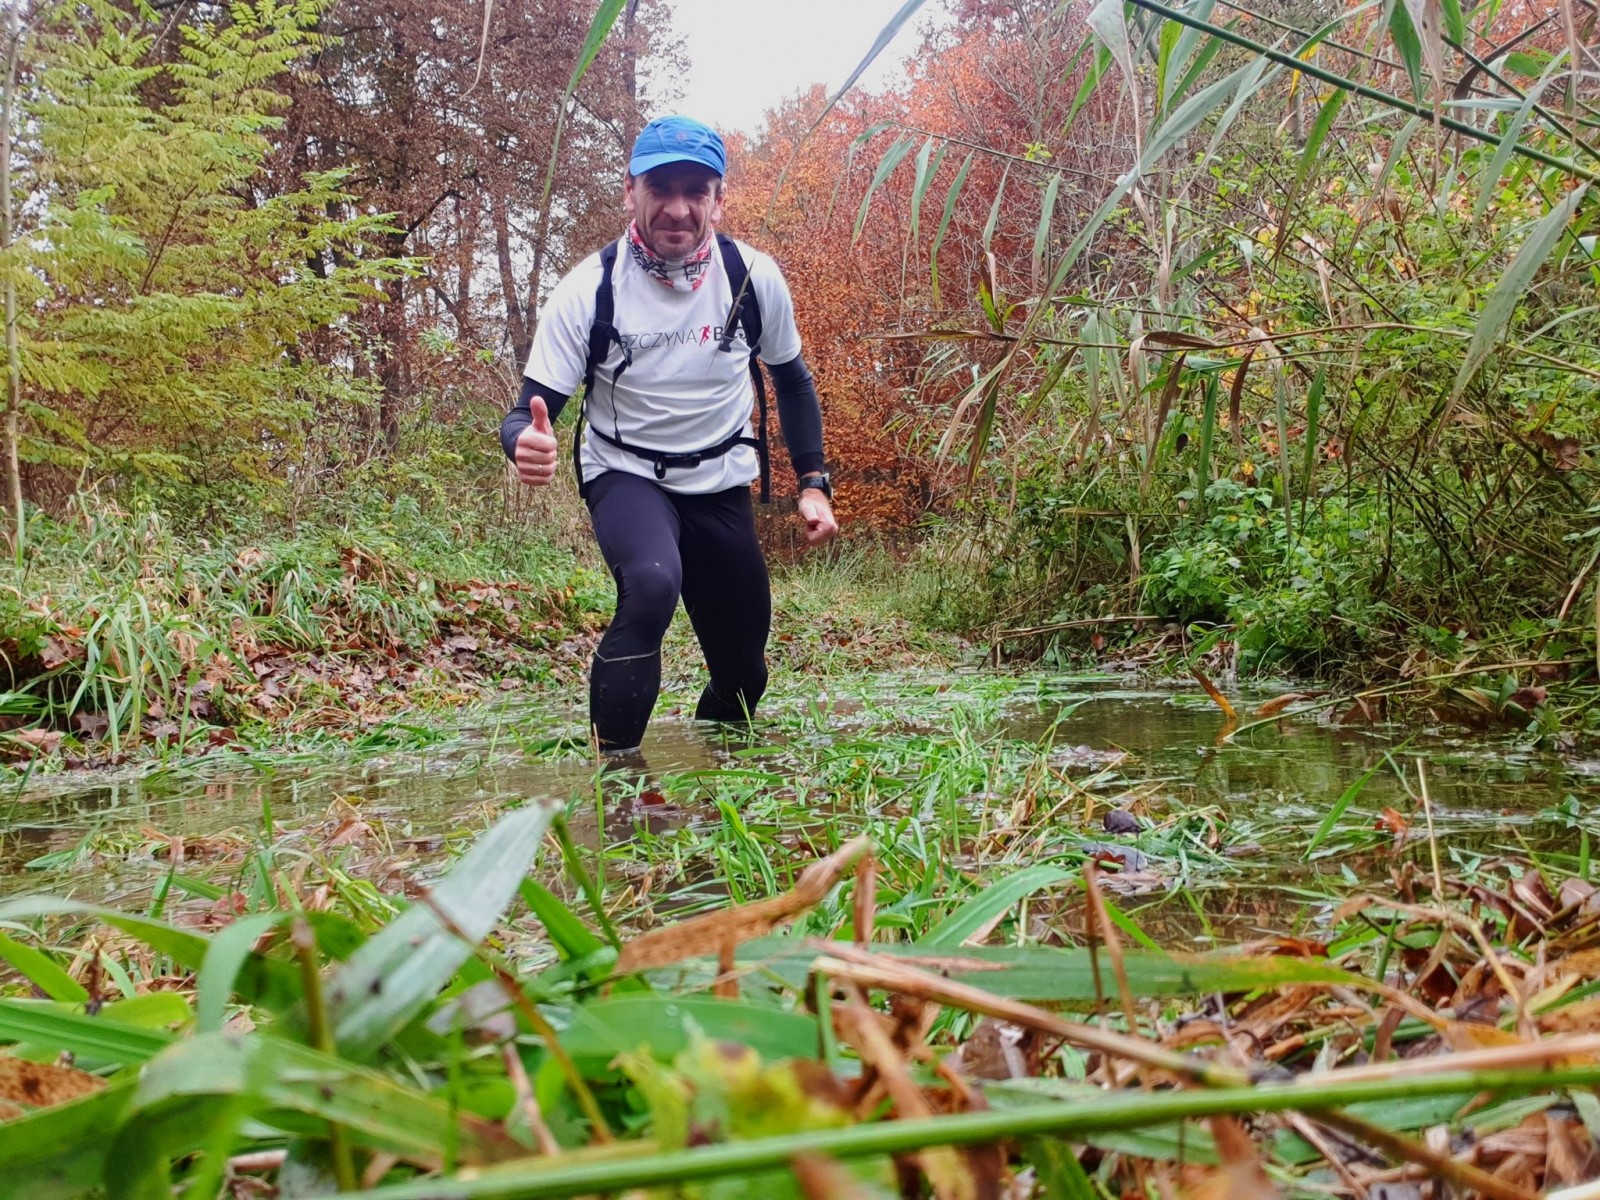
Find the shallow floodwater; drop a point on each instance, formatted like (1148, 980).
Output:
(108, 836)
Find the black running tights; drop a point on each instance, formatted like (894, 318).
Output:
(660, 545)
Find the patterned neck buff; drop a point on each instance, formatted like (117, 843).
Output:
(681, 276)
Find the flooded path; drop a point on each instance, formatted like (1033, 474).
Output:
(1231, 821)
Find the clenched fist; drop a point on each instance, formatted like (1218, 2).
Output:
(536, 447)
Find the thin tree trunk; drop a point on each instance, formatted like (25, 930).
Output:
(7, 237)
(519, 327)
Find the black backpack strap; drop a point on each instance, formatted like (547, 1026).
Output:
(746, 312)
(602, 334)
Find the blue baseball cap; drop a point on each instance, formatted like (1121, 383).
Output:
(677, 139)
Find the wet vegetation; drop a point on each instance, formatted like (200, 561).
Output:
(1180, 789)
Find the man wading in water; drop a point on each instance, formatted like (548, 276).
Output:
(661, 330)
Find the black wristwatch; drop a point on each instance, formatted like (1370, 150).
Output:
(820, 480)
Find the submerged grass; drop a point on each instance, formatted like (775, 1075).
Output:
(722, 976)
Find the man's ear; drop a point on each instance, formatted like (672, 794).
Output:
(627, 195)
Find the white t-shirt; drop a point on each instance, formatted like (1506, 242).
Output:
(681, 393)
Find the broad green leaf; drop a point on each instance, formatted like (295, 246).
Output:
(391, 978)
(99, 1037)
(1058, 1175)
(1108, 23)
(1091, 80)
(1041, 235)
(1428, 26)
(995, 900)
(605, 1028)
(604, 18)
(950, 199)
(1178, 88)
(1455, 24)
(278, 1077)
(1490, 183)
(886, 166)
(927, 165)
(1167, 42)
(1508, 292)
(42, 971)
(230, 950)
(1045, 974)
(1407, 43)
(1187, 1142)
(567, 932)
(1528, 62)
(1309, 157)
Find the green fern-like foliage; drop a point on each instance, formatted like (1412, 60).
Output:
(182, 318)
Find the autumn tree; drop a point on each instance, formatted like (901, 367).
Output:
(449, 126)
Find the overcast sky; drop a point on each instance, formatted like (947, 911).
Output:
(749, 54)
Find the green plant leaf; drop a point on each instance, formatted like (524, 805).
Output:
(1509, 290)
(605, 1028)
(991, 903)
(59, 1153)
(1309, 157)
(1455, 24)
(1091, 80)
(950, 199)
(227, 955)
(1407, 43)
(927, 166)
(391, 978)
(99, 1037)
(1344, 801)
(1490, 182)
(272, 983)
(42, 971)
(1041, 235)
(886, 165)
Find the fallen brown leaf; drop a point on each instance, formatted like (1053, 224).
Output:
(43, 1085)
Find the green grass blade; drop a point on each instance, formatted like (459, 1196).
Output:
(1513, 285)
(605, 1028)
(990, 904)
(927, 166)
(42, 971)
(950, 199)
(1091, 80)
(1345, 799)
(97, 1037)
(401, 968)
(1490, 183)
(1407, 43)
(1041, 235)
(59, 1153)
(1313, 420)
(230, 950)
(886, 166)
(1309, 157)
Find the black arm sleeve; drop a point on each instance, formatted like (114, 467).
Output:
(800, 414)
(521, 416)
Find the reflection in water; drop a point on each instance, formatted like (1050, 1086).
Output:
(1483, 794)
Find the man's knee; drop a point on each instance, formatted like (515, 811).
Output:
(647, 593)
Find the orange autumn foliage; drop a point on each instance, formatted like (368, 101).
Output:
(990, 86)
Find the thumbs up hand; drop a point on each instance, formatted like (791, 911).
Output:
(536, 447)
